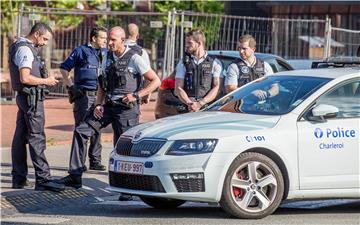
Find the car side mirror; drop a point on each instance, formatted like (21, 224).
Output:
(322, 112)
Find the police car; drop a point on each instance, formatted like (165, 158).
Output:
(290, 135)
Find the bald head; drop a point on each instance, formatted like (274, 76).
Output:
(118, 31)
(133, 31)
(117, 39)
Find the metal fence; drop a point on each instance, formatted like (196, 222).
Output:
(347, 42)
(289, 38)
(162, 34)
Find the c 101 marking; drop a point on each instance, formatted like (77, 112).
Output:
(254, 138)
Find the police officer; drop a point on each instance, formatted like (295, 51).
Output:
(89, 62)
(131, 41)
(246, 69)
(117, 100)
(197, 78)
(28, 78)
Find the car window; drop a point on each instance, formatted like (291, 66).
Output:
(282, 66)
(345, 97)
(270, 95)
(272, 64)
(225, 61)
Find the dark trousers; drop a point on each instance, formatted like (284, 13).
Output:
(29, 130)
(82, 108)
(121, 119)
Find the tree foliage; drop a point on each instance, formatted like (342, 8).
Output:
(203, 6)
(9, 12)
(210, 26)
(63, 21)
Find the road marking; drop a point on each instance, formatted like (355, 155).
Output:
(314, 204)
(35, 220)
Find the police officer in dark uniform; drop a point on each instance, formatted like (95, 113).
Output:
(28, 78)
(197, 78)
(89, 62)
(246, 69)
(117, 100)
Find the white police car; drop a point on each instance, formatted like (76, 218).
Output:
(291, 135)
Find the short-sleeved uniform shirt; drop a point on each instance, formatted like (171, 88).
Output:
(144, 54)
(232, 74)
(24, 57)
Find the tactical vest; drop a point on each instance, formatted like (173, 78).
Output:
(198, 78)
(89, 68)
(137, 48)
(14, 69)
(119, 80)
(247, 73)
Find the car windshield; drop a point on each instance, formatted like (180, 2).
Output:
(271, 95)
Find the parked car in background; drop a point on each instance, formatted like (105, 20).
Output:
(336, 62)
(250, 151)
(168, 104)
(301, 64)
(331, 62)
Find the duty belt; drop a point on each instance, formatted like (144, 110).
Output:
(89, 93)
(33, 94)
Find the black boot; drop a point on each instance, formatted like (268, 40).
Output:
(25, 184)
(71, 181)
(49, 185)
(97, 166)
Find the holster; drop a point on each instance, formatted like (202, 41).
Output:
(74, 94)
(117, 100)
(32, 95)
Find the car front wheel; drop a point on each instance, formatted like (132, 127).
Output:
(253, 187)
(162, 203)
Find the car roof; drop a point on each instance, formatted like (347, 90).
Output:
(235, 54)
(324, 73)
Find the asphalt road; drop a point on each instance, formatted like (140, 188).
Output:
(111, 211)
(93, 204)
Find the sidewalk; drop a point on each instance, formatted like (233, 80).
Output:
(59, 121)
(59, 129)
(28, 200)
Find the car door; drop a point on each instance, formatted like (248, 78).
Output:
(329, 150)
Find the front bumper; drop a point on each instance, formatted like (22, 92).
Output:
(191, 177)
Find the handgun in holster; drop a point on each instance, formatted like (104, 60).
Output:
(74, 93)
(117, 100)
(31, 97)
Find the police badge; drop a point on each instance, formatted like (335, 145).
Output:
(245, 69)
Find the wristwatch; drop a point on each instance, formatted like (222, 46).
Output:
(136, 95)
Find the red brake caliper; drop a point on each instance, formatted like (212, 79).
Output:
(238, 192)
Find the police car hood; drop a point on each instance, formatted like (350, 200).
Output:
(202, 125)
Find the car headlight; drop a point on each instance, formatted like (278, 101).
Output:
(187, 147)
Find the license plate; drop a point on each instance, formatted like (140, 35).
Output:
(129, 167)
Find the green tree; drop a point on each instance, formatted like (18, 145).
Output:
(63, 21)
(9, 12)
(112, 5)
